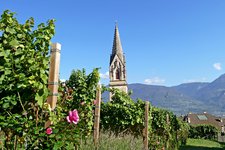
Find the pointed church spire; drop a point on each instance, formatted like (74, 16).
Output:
(117, 66)
(117, 47)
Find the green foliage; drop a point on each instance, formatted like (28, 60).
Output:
(167, 130)
(84, 92)
(122, 115)
(78, 93)
(203, 132)
(24, 64)
(23, 61)
(164, 129)
(183, 132)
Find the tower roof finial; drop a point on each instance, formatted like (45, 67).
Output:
(116, 23)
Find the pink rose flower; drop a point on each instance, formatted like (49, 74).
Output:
(49, 131)
(73, 117)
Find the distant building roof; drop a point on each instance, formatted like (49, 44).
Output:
(205, 118)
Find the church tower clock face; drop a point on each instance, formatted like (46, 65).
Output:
(117, 66)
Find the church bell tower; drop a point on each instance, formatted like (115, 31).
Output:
(117, 66)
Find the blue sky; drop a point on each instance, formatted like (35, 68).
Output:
(166, 42)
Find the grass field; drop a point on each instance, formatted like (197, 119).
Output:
(129, 143)
(200, 144)
(108, 142)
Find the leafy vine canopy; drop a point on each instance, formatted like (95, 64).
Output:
(24, 62)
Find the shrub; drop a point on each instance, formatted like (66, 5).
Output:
(203, 132)
(122, 115)
(183, 132)
(24, 64)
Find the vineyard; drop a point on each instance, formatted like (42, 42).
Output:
(29, 120)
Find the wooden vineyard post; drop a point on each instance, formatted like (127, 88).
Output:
(97, 116)
(167, 119)
(145, 136)
(168, 123)
(53, 77)
(54, 74)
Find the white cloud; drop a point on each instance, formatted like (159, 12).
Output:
(217, 66)
(190, 80)
(154, 80)
(62, 80)
(196, 80)
(104, 75)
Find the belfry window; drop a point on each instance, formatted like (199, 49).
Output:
(117, 74)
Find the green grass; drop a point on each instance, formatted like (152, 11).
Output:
(200, 144)
(107, 142)
(128, 142)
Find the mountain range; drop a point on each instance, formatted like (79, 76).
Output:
(197, 97)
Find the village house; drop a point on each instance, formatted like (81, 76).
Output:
(205, 118)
